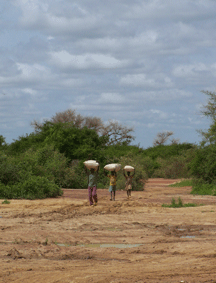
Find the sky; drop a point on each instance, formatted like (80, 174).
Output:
(141, 63)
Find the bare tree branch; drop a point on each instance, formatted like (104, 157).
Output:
(162, 137)
(116, 132)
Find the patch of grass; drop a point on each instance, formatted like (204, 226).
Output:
(174, 204)
(183, 183)
(204, 189)
(6, 201)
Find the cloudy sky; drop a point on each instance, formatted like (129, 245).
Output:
(143, 63)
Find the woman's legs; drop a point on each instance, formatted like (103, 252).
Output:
(94, 194)
(112, 195)
(90, 195)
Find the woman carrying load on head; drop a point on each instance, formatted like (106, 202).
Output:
(128, 183)
(92, 184)
(112, 187)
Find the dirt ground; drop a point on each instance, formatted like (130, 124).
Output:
(135, 240)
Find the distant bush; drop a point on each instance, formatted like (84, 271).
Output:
(203, 165)
(34, 187)
(175, 166)
(140, 175)
(201, 188)
(33, 174)
(183, 183)
(179, 204)
(167, 151)
(203, 168)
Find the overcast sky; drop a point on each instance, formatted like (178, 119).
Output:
(143, 63)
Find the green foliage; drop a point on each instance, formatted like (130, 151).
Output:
(183, 183)
(23, 143)
(173, 168)
(34, 187)
(6, 201)
(74, 143)
(202, 188)
(75, 176)
(140, 176)
(203, 166)
(3, 143)
(114, 152)
(33, 174)
(167, 151)
(9, 169)
(209, 110)
(174, 204)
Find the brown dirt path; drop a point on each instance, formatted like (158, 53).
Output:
(60, 240)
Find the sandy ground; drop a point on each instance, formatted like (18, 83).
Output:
(61, 240)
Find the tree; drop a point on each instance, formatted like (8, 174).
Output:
(209, 110)
(73, 142)
(162, 137)
(2, 141)
(116, 133)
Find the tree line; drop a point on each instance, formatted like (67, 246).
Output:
(39, 164)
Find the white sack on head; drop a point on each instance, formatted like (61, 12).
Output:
(113, 167)
(129, 168)
(91, 164)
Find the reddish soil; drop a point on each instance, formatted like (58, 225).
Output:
(58, 240)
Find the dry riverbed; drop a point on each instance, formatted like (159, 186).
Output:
(135, 240)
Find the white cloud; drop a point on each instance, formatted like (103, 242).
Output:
(65, 60)
(137, 80)
(30, 91)
(111, 98)
(159, 114)
(140, 62)
(190, 70)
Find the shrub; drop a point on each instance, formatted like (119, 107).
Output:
(203, 166)
(167, 151)
(174, 167)
(140, 174)
(35, 187)
(183, 183)
(174, 204)
(202, 188)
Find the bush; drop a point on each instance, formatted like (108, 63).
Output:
(175, 166)
(75, 176)
(183, 183)
(202, 188)
(180, 204)
(203, 168)
(33, 174)
(140, 175)
(9, 170)
(35, 187)
(167, 151)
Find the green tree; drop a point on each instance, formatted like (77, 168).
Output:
(115, 133)
(209, 111)
(203, 166)
(2, 141)
(75, 143)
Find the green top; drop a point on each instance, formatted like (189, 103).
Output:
(92, 179)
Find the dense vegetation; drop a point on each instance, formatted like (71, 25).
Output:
(38, 165)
